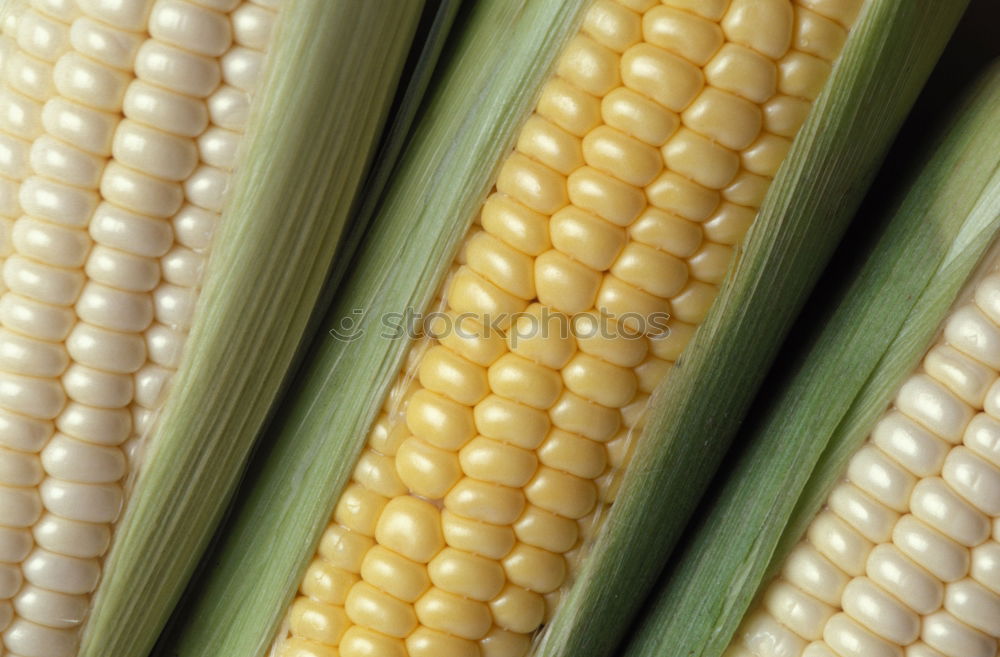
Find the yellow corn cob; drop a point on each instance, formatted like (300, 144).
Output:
(642, 166)
(904, 559)
(120, 123)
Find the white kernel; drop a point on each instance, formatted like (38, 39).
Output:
(165, 110)
(15, 544)
(987, 296)
(175, 305)
(19, 114)
(839, 543)
(229, 108)
(73, 538)
(986, 565)
(15, 159)
(122, 270)
(138, 192)
(10, 580)
(242, 67)
(153, 151)
(31, 396)
(19, 468)
(809, 570)
(108, 350)
(868, 604)
(194, 227)
(96, 388)
(973, 333)
(58, 610)
(63, 10)
(56, 202)
(177, 70)
(128, 15)
(74, 460)
(872, 519)
(151, 384)
(943, 557)
(207, 187)
(89, 83)
(61, 573)
(974, 605)
(252, 26)
(952, 638)
(218, 147)
(30, 317)
(190, 27)
(183, 267)
(53, 285)
(30, 76)
(114, 309)
(82, 502)
(766, 637)
(937, 504)
(928, 402)
(974, 479)
(50, 243)
(23, 354)
(103, 426)
(41, 36)
(104, 43)
(849, 639)
(876, 474)
(27, 639)
(897, 574)
(964, 376)
(134, 233)
(19, 507)
(165, 345)
(919, 450)
(796, 610)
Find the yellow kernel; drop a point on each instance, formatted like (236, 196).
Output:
(377, 473)
(343, 548)
(817, 35)
(651, 270)
(511, 422)
(764, 25)
(692, 303)
(682, 33)
(542, 335)
(765, 155)
(666, 232)
(620, 449)
(732, 121)
(368, 606)
(564, 284)
(518, 610)
(589, 66)
(801, 75)
(842, 11)
(634, 413)
(729, 224)
(639, 6)
(395, 574)
(486, 502)
(471, 293)
(296, 647)
(608, 340)
(524, 229)
(411, 527)
(678, 195)
(445, 372)
(317, 621)
(701, 159)
(490, 541)
(573, 454)
(546, 530)
(711, 262)
(570, 108)
(425, 642)
(577, 415)
(439, 421)
(784, 115)
(635, 309)
(465, 574)
(452, 614)
(560, 492)
(535, 569)
(361, 641)
(638, 116)
(359, 508)
(326, 583)
(612, 25)
(500, 264)
(496, 462)
(621, 156)
(744, 72)
(599, 381)
(501, 643)
(427, 470)
(710, 9)
(668, 79)
(650, 372)
(386, 435)
(524, 381)
(469, 338)
(670, 345)
(605, 196)
(747, 189)
(546, 142)
(535, 185)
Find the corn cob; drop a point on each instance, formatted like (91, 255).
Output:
(879, 326)
(438, 546)
(121, 126)
(566, 241)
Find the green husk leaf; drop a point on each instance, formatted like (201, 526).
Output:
(488, 84)
(697, 410)
(871, 338)
(333, 69)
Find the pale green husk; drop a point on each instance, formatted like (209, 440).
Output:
(332, 74)
(488, 84)
(695, 414)
(871, 338)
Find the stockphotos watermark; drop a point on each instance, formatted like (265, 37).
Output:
(543, 323)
